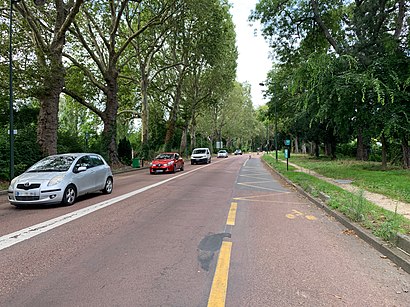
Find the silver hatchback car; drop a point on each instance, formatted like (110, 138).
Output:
(61, 179)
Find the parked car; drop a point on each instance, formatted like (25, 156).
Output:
(166, 162)
(238, 152)
(222, 154)
(61, 179)
(201, 155)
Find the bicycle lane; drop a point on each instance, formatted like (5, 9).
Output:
(285, 251)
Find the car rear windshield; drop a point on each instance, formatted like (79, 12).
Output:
(199, 151)
(53, 164)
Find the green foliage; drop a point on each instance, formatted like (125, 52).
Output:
(125, 151)
(26, 151)
(329, 86)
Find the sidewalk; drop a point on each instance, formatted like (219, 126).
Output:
(377, 199)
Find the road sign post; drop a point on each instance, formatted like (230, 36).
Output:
(287, 153)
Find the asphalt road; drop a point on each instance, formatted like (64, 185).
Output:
(227, 233)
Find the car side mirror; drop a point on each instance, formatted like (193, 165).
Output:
(81, 169)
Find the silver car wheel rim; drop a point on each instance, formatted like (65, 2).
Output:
(70, 195)
(108, 185)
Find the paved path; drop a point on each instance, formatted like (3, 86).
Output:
(378, 199)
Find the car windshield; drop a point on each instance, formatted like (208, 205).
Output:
(199, 151)
(53, 164)
(222, 151)
(164, 156)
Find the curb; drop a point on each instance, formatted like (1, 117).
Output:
(395, 254)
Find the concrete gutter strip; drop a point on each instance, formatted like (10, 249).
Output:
(399, 256)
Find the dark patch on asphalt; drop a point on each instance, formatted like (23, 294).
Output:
(207, 248)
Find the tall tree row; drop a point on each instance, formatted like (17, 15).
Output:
(344, 69)
(117, 57)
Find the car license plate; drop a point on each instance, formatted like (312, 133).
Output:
(160, 170)
(27, 193)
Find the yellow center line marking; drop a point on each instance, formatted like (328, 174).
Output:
(217, 296)
(232, 214)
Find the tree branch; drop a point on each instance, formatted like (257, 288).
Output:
(323, 27)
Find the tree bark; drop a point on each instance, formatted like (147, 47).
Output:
(144, 112)
(384, 151)
(110, 119)
(193, 132)
(296, 145)
(173, 118)
(183, 144)
(406, 152)
(362, 153)
(49, 96)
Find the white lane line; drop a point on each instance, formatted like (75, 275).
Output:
(32, 231)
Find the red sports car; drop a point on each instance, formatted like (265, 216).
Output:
(166, 162)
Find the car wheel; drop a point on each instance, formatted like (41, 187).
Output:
(192, 163)
(181, 168)
(108, 186)
(70, 194)
(173, 169)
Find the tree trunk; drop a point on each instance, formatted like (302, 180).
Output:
(304, 148)
(183, 144)
(173, 117)
(193, 133)
(144, 112)
(406, 152)
(296, 145)
(362, 153)
(328, 150)
(48, 119)
(110, 121)
(317, 149)
(49, 96)
(384, 151)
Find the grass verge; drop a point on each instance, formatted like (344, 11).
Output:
(392, 182)
(4, 185)
(381, 222)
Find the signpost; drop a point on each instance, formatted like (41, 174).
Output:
(287, 153)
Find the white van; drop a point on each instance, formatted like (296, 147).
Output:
(201, 155)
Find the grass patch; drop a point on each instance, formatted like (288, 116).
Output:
(383, 223)
(393, 182)
(4, 185)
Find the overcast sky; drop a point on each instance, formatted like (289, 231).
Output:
(253, 61)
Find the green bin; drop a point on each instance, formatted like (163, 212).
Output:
(136, 163)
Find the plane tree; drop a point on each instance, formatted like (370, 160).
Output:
(101, 40)
(202, 47)
(46, 26)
